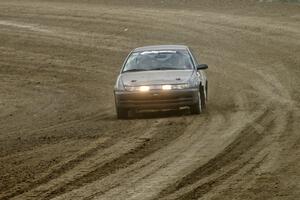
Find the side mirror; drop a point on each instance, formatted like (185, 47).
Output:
(202, 66)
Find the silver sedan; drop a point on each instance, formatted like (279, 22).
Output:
(161, 77)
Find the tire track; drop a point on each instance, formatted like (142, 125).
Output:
(150, 143)
(232, 156)
(264, 155)
(186, 159)
(103, 163)
(138, 161)
(66, 165)
(179, 155)
(59, 169)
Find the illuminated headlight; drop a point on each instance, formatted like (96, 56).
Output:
(144, 88)
(167, 87)
(137, 88)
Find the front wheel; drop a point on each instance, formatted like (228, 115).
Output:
(197, 108)
(122, 113)
(203, 97)
(200, 105)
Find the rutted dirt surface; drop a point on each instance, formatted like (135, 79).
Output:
(59, 136)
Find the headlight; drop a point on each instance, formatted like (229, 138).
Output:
(167, 87)
(137, 88)
(144, 88)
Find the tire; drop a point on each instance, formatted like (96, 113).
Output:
(122, 113)
(197, 108)
(206, 89)
(203, 98)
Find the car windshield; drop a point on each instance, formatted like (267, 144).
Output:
(158, 60)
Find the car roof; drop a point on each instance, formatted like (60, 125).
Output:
(161, 47)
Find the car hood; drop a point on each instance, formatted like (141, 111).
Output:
(156, 77)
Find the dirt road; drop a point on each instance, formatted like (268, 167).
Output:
(59, 136)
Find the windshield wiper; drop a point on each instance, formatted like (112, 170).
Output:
(165, 68)
(135, 70)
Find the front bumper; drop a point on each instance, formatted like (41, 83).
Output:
(157, 99)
